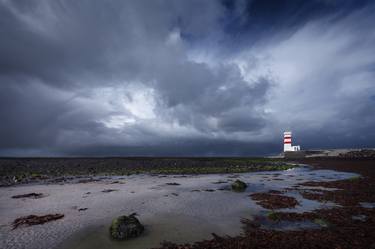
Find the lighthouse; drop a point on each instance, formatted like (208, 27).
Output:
(288, 142)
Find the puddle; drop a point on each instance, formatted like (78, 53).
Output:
(292, 226)
(166, 227)
(367, 204)
(283, 225)
(359, 217)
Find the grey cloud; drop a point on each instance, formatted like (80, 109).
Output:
(121, 78)
(326, 76)
(92, 40)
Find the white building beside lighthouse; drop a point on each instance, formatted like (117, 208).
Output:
(288, 142)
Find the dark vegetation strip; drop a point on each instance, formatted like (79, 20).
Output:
(23, 170)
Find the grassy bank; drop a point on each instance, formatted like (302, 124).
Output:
(24, 169)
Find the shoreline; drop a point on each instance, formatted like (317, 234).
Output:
(200, 196)
(350, 225)
(14, 171)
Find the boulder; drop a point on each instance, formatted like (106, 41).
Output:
(125, 227)
(239, 186)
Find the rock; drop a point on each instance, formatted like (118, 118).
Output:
(126, 227)
(239, 186)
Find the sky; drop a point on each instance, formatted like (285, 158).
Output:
(185, 78)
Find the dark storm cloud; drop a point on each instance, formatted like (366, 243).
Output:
(210, 147)
(257, 19)
(183, 77)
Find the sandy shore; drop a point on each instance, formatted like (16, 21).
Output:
(179, 213)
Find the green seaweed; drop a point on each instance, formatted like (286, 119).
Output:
(355, 178)
(322, 223)
(273, 216)
(114, 226)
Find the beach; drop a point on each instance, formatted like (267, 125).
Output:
(175, 208)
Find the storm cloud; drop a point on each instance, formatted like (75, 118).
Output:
(190, 78)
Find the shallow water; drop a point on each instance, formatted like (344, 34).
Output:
(192, 213)
(169, 227)
(285, 225)
(367, 204)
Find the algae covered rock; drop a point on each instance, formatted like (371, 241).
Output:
(125, 227)
(239, 186)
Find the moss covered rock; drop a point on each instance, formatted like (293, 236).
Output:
(125, 227)
(239, 186)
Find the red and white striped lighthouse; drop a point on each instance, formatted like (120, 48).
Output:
(288, 142)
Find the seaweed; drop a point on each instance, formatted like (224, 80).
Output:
(32, 220)
(30, 195)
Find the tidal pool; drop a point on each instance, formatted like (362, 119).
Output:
(188, 211)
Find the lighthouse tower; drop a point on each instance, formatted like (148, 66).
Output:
(288, 142)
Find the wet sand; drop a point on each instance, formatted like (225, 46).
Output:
(178, 213)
